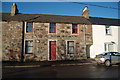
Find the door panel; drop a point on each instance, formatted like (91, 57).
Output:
(114, 59)
(52, 50)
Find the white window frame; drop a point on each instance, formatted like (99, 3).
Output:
(106, 46)
(72, 29)
(49, 29)
(25, 46)
(26, 27)
(107, 30)
(67, 46)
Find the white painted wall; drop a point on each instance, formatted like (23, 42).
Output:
(100, 38)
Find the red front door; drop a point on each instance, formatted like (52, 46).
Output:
(52, 50)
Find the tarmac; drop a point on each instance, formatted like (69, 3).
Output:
(9, 64)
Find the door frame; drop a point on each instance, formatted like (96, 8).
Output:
(49, 49)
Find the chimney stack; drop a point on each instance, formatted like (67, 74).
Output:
(14, 9)
(85, 13)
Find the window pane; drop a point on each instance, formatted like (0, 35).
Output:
(29, 47)
(71, 43)
(29, 24)
(52, 28)
(30, 43)
(29, 27)
(29, 50)
(117, 54)
(107, 29)
(74, 28)
(71, 49)
(110, 47)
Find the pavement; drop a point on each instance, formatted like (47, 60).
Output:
(47, 63)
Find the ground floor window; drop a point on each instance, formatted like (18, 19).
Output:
(70, 47)
(109, 47)
(28, 46)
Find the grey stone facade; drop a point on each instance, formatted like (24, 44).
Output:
(12, 41)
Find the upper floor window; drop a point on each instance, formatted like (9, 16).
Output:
(29, 46)
(52, 28)
(108, 30)
(74, 28)
(29, 26)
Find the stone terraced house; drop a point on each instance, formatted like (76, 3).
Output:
(39, 37)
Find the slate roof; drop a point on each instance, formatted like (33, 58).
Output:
(104, 21)
(60, 19)
(45, 18)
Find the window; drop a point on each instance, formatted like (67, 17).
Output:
(29, 27)
(29, 47)
(108, 30)
(109, 47)
(74, 28)
(52, 28)
(70, 47)
(115, 53)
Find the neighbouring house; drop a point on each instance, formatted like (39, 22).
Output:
(106, 35)
(38, 37)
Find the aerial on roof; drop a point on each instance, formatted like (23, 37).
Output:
(45, 18)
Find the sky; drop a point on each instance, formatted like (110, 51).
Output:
(96, 9)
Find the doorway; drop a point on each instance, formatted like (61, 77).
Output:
(52, 50)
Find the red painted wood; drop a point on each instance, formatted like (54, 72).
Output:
(75, 29)
(53, 50)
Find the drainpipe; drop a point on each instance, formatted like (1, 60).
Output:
(85, 34)
(23, 34)
(85, 37)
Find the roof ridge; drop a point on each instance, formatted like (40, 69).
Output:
(106, 18)
(44, 14)
(46, 18)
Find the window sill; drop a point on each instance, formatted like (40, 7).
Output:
(74, 33)
(28, 53)
(52, 33)
(28, 32)
(108, 34)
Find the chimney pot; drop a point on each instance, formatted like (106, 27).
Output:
(14, 9)
(85, 12)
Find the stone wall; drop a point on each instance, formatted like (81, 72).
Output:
(11, 40)
(89, 39)
(41, 38)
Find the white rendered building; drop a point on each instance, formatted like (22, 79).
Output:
(106, 35)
